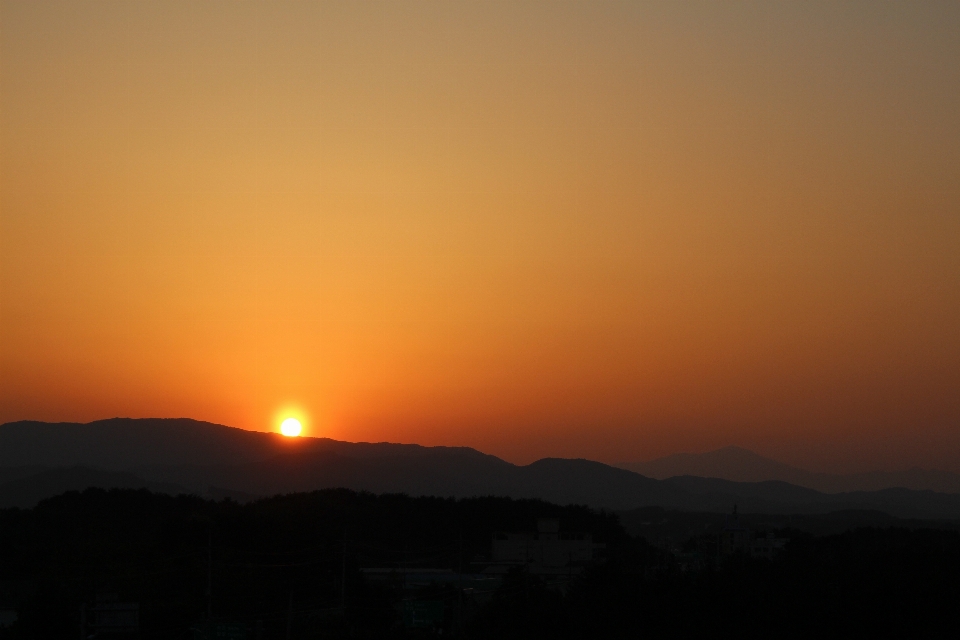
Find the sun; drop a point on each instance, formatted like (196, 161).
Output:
(290, 427)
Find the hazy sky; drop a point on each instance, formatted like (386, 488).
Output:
(612, 230)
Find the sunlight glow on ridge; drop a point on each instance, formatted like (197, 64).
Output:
(290, 427)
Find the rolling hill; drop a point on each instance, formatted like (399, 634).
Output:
(42, 459)
(742, 465)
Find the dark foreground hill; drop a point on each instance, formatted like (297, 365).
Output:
(188, 456)
(289, 568)
(25, 487)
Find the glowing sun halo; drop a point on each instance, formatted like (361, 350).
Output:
(290, 427)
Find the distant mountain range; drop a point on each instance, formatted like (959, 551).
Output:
(743, 465)
(38, 460)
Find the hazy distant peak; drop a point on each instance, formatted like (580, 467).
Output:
(731, 463)
(734, 449)
(705, 464)
(743, 465)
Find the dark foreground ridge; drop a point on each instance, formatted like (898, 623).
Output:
(340, 564)
(39, 460)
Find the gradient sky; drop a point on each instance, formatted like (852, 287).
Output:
(613, 230)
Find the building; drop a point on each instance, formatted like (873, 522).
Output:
(734, 537)
(412, 578)
(547, 552)
(7, 617)
(737, 538)
(109, 615)
(767, 546)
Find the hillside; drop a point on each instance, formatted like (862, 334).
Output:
(742, 465)
(39, 460)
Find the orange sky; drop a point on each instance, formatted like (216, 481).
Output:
(595, 229)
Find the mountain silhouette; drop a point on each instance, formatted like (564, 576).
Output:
(39, 460)
(742, 465)
(126, 443)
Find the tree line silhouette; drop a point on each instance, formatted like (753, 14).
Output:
(290, 567)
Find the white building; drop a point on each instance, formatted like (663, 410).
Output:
(548, 551)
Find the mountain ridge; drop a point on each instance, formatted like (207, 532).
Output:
(743, 465)
(218, 461)
(142, 442)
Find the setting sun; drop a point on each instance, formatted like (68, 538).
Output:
(290, 427)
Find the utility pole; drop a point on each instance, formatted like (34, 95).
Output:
(289, 615)
(460, 586)
(210, 575)
(343, 575)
